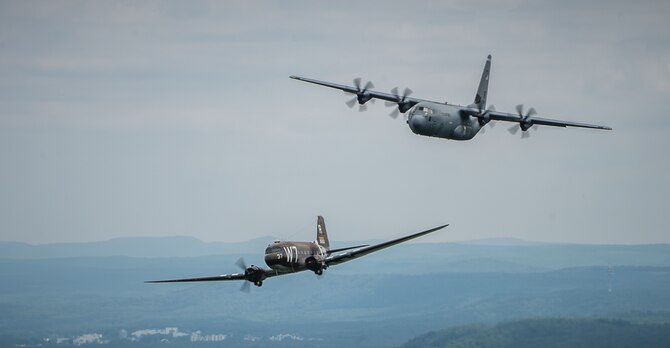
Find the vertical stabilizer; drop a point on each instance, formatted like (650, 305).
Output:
(482, 91)
(321, 234)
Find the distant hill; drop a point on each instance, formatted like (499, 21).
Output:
(361, 303)
(500, 242)
(72, 290)
(549, 333)
(489, 255)
(178, 246)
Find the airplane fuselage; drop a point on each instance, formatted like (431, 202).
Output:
(289, 257)
(442, 121)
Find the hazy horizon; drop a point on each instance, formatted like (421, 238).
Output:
(121, 119)
(493, 240)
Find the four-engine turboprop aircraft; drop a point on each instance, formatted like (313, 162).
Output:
(444, 120)
(290, 257)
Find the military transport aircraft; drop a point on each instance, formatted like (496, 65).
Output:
(289, 257)
(444, 120)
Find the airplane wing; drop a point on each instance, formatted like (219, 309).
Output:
(504, 116)
(407, 101)
(234, 276)
(354, 254)
(531, 121)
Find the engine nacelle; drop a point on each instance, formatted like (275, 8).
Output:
(315, 263)
(254, 274)
(484, 119)
(363, 98)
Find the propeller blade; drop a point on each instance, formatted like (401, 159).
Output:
(488, 110)
(525, 135)
(362, 108)
(357, 83)
(512, 130)
(352, 102)
(368, 85)
(482, 130)
(519, 110)
(400, 100)
(241, 264)
(246, 287)
(531, 112)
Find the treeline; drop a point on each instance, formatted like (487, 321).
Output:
(548, 333)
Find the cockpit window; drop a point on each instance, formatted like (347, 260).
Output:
(424, 110)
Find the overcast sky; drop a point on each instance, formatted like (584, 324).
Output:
(178, 118)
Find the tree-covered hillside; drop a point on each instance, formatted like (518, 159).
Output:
(403, 292)
(549, 333)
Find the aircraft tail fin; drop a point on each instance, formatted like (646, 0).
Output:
(321, 234)
(482, 91)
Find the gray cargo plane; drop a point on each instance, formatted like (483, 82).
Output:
(290, 257)
(444, 120)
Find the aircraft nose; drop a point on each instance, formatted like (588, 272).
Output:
(272, 259)
(417, 123)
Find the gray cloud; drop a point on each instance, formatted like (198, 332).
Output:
(162, 118)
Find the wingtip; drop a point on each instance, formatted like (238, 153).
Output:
(440, 227)
(293, 77)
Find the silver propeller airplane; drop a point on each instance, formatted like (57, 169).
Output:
(444, 120)
(290, 257)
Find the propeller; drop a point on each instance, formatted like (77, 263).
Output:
(362, 96)
(246, 285)
(485, 118)
(401, 102)
(252, 274)
(524, 123)
(241, 264)
(483, 129)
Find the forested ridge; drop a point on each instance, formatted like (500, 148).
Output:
(548, 333)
